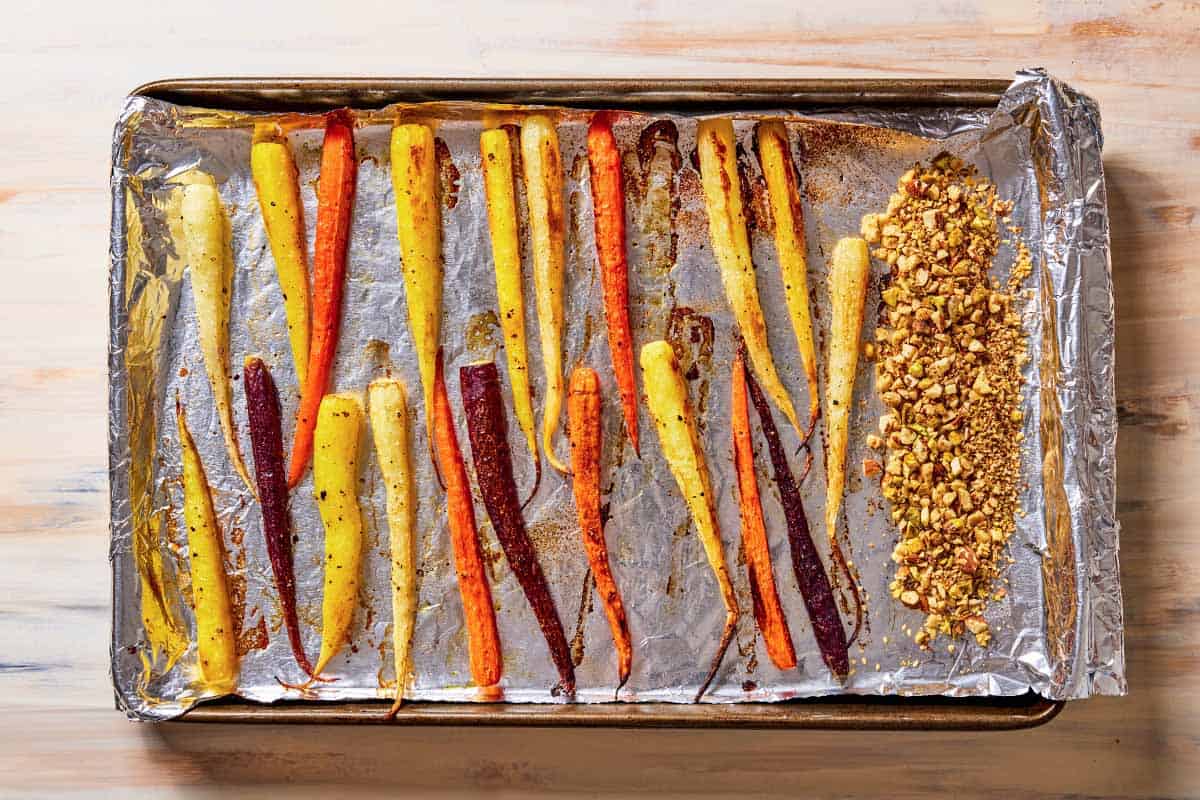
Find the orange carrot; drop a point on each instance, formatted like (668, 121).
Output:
(335, 202)
(608, 202)
(483, 641)
(583, 429)
(768, 613)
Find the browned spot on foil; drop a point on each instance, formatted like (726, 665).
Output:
(578, 167)
(482, 329)
(378, 353)
(253, 638)
(448, 173)
(691, 336)
(585, 608)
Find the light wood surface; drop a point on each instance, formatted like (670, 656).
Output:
(63, 71)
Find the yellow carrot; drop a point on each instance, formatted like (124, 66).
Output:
(206, 232)
(783, 189)
(278, 187)
(389, 426)
(216, 638)
(335, 484)
(731, 244)
(544, 190)
(675, 419)
(849, 273)
(419, 228)
(496, 151)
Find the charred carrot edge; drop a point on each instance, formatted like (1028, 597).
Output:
(608, 202)
(486, 426)
(583, 429)
(783, 189)
(495, 147)
(810, 572)
(483, 640)
(768, 612)
(717, 150)
(277, 184)
(675, 418)
(335, 205)
(206, 231)
(419, 229)
(542, 163)
(216, 642)
(266, 445)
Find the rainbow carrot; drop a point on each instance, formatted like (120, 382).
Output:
(266, 441)
(335, 206)
(608, 202)
(483, 640)
(767, 610)
(488, 432)
(583, 426)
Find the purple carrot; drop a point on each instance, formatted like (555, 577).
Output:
(487, 429)
(810, 572)
(266, 440)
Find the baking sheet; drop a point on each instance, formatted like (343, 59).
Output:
(1057, 632)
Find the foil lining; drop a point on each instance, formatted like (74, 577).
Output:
(1059, 630)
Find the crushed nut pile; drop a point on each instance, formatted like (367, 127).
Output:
(949, 351)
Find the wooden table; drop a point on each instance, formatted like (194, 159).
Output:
(64, 73)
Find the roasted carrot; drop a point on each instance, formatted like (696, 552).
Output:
(338, 437)
(675, 418)
(483, 640)
(496, 150)
(810, 572)
(419, 228)
(583, 427)
(850, 272)
(608, 203)
(783, 189)
(768, 612)
(266, 445)
(388, 406)
(484, 406)
(206, 232)
(216, 638)
(544, 189)
(335, 206)
(278, 187)
(731, 244)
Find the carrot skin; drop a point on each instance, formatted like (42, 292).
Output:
(266, 442)
(810, 572)
(335, 205)
(483, 640)
(583, 429)
(487, 429)
(608, 202)
(768, 612)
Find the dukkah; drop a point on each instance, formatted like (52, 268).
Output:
(949, 354)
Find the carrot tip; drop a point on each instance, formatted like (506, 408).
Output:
(395, 709)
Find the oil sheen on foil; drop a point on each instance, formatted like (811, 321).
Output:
(1058, 631)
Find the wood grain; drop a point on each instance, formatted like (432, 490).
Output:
(65, 71)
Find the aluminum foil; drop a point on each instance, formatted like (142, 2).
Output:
(1059, 630)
